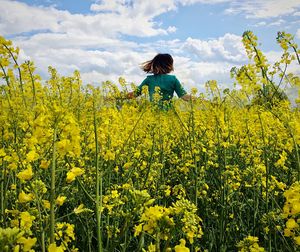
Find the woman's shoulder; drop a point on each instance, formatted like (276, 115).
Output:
(150, 76)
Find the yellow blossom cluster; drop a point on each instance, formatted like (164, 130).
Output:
(250, 244)
(291, 213)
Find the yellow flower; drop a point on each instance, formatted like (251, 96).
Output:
(25, 174)
(64, 146)
(167, 192)
(138, 229)
(24, 198)
(60, 200)
(250, 243)
(70, 231)
(181, 247)
(28, 243)
(149, 202)
(53, 248)
(17, 248)
(77, 171)
(267, 229)
(70, 177)
(32, 156)
(194, 91)
(12, 166)
(126, 186)
(296, 208)
(190, 235)
(114, 194)
(109, 155)
(44, 164)
(291, 224)
(26, 220)
(287, 232)
(297, 240)
(46, 204)
(80, 209)
(151, 248)
(116, 169)
(127, 165)
(2, 153)
(65, 231)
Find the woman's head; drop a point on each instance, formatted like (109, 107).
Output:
(160, 64)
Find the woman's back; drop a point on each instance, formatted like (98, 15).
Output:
(166, 83)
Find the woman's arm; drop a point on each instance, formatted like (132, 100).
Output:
(187, 97)
(138, 91)
(130, 95)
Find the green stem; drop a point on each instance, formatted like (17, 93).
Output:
(98, 188)
(5, 75)
(41, 226)
(85, 191)
(3, 176)
(295, 50)
(141, 242)
(2, 192)
(43, 241)
(36, 195)
(192, 135)
(32, 82)
(52, 188)
(265, 156)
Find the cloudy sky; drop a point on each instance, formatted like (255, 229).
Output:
(106, 39)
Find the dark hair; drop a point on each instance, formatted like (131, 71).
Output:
(160, 64)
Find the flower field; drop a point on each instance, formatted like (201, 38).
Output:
(82, 169)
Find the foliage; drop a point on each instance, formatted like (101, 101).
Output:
(261, 82)
(83, 169)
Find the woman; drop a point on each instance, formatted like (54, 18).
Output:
(160, 81)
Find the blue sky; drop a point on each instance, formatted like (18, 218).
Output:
(105, 39)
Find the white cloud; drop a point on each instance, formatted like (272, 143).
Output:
(263, 23)
(117, 6)
(190, 2)
(171, 29)
(18, 17)
(197, 73)
(268, 24)
(253, 9)
(229, 48)
(263, 9)
(134, 17)
(111, 58)
(136, 7)
(298, 34)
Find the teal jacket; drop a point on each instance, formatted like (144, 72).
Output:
(167, 85)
